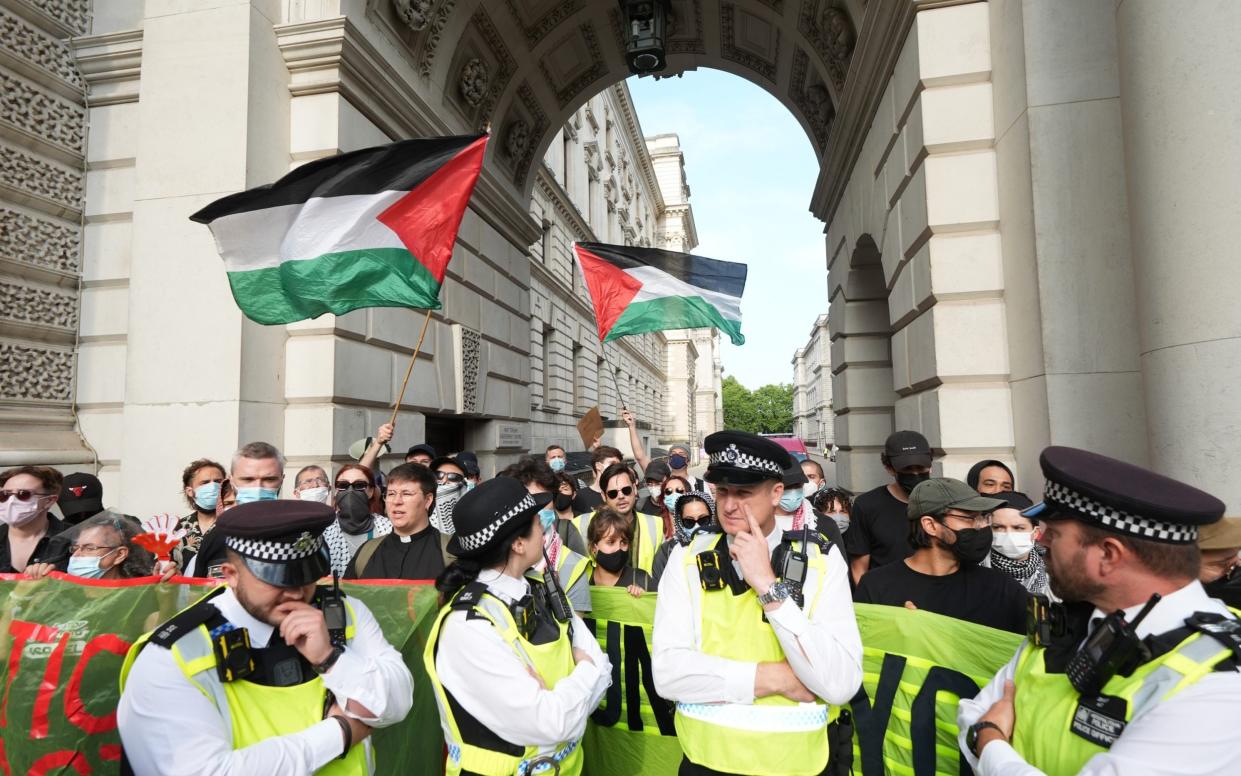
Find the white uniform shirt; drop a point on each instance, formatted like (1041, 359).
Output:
(824, 651)
(169, 727)
(493, 684)
(1194, 732)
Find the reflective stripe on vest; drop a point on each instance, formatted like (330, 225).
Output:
(552, 662)
(774, 735)
(569, 568)
(1046, 703)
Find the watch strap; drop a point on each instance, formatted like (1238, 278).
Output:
(778, 591)
(329, 661)
(975, 730)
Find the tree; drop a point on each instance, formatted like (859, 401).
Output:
(767, 410)
(739, 412)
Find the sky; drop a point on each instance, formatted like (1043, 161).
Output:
(751, 171)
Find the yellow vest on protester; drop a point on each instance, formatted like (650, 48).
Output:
(1049, 710)
(648, 534)
(552, 661)
(254, 712)
(774, 735)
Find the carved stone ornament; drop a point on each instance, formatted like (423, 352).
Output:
(415, 13)
(473, 81)
(34, 373)
(517, 140)
(820, 103)
(840, 37)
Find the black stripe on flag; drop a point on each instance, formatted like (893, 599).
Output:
(726, 277)
(398, 166)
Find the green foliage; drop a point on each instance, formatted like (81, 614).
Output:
(767, 410)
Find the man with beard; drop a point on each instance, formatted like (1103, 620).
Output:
(1139, 673)
(879, 531)
(620, 492)
(950, 527)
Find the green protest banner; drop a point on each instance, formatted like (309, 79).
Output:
(63, 639)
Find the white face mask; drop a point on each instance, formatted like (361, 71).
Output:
(652, 492)
(1013, 544)
(320, 495)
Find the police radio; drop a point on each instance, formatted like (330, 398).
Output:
(557, 599)
(1112, 648)
(332, 603)
(791, 564)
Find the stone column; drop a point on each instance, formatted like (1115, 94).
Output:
(1180, 117)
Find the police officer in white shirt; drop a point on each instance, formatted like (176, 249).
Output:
(1138, 672)
(754, 629)
(270, 674)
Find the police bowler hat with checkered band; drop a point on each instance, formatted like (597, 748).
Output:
(739, 458)
(491, 513)
(281, 542)
(1121, 498)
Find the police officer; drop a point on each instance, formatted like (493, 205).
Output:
(754, 628)
(1138, 673)
(268, 674)
(515, 671)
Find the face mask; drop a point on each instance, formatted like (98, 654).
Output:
(562, 502)
(321, 495)
(811, 489)
(612, 561)
(842, 520)
(910, 481)
(87, 567)
(547, 516)
(677, 461)
(556, 464)
(652, 492)
(469, 485)
(1013, 544)
(670, 501)
(446, 497)
(207, 496)
(247, 495)
(972, 545)
(791, 499)
(354, 512)
(16, 512)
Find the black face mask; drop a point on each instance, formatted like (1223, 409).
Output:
(562, 502)
(910, 481)
(354, 512)
(612, 561)
(1227, 588)
(972, 545)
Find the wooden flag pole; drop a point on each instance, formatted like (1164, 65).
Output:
(400, 397)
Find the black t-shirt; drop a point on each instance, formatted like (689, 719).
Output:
(973, 593)
(418, 557)
(879, 527)
(210, 555)
(49, 548)
(586, 500)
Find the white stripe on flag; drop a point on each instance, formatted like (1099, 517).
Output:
(657, 284)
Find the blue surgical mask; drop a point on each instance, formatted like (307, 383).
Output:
(670, 501)
(207, 496)
(547, 516)
(87, 567)
(246, 495)
(677, 461)
(556, 464)
(469, 485)
(791, 499)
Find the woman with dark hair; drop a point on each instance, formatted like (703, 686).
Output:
(691, 513)
(610, 535)
(836, 503)
(359, 514)
(620, 492)
(515, 680)
(562, 503)
(990, 477)
(672, 489)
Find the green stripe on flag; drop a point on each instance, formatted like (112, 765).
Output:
(335, 283)
(673, 312)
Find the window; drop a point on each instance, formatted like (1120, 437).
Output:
(567, 178)
(547, 242)
(547, 367)
(578, 398)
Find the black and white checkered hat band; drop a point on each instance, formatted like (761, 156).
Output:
(731, 456)
(471, 542)
(304, 546)
(1060, 495)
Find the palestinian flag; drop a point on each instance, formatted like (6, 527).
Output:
(369, 228)
(636, 290)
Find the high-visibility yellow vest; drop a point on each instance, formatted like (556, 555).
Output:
(570, 566)
(552, 661)
(774, 736)
(648, 534)
(256, 712)
(1047, 706)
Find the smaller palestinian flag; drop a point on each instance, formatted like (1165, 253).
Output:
(636, 290)
(369, 228)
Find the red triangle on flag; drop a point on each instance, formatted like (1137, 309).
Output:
(611, 288)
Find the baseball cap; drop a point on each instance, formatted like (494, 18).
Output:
(80, 494)
(907, 448)
(936, 496)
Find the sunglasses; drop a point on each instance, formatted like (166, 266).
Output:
(625, 491)
(690, 522)
(356, 485)
(452, 477)
(20, 495)
(670, 491)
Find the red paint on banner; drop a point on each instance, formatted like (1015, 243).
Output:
(47, 688)
(22, 632)
(53, 762)
(75, 710)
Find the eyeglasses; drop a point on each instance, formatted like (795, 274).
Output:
(401, 495)
(452, 477)
(75, 548)
(625, 491)
(315, 482)
(979, 521)
(20, 495)
(361, 485)
(671, 491)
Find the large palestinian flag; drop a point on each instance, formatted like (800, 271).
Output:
(636, 290)
(369, 228)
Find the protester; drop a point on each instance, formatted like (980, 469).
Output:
(610, 535)
(256, 472)
(81, 496)
(879, 529)
(1013, 548)
(307, 701)
(1101, 691)
(836, 503)
(201, 485)
(102, 547)
(693, 512)
(621, 493)
(990, 477)
(815, 480)
(752, 661)
(469, 464)
(368, 451)
(591, 497)
(794, 512)
(27, 493)
(669, 491)
(359, 515)
(556, 458)
(423, 454)
(311, 483)
(678, 465)
(678, 456)
(949, 528)
(1220, 545)
(652, 492)
(413, 549)
(508, 694)
(566, 490)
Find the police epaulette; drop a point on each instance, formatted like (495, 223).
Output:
(468, 596)
(1225, 630)
(819, 539)
(200, 613)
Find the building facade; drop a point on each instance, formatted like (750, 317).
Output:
(813, 419)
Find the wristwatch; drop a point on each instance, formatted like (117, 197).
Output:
(777, 592)
(329, 661)
(972, 732)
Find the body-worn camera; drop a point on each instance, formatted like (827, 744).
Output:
(1045, 622)
(710, 570)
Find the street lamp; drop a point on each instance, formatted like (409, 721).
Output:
(645, 24)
